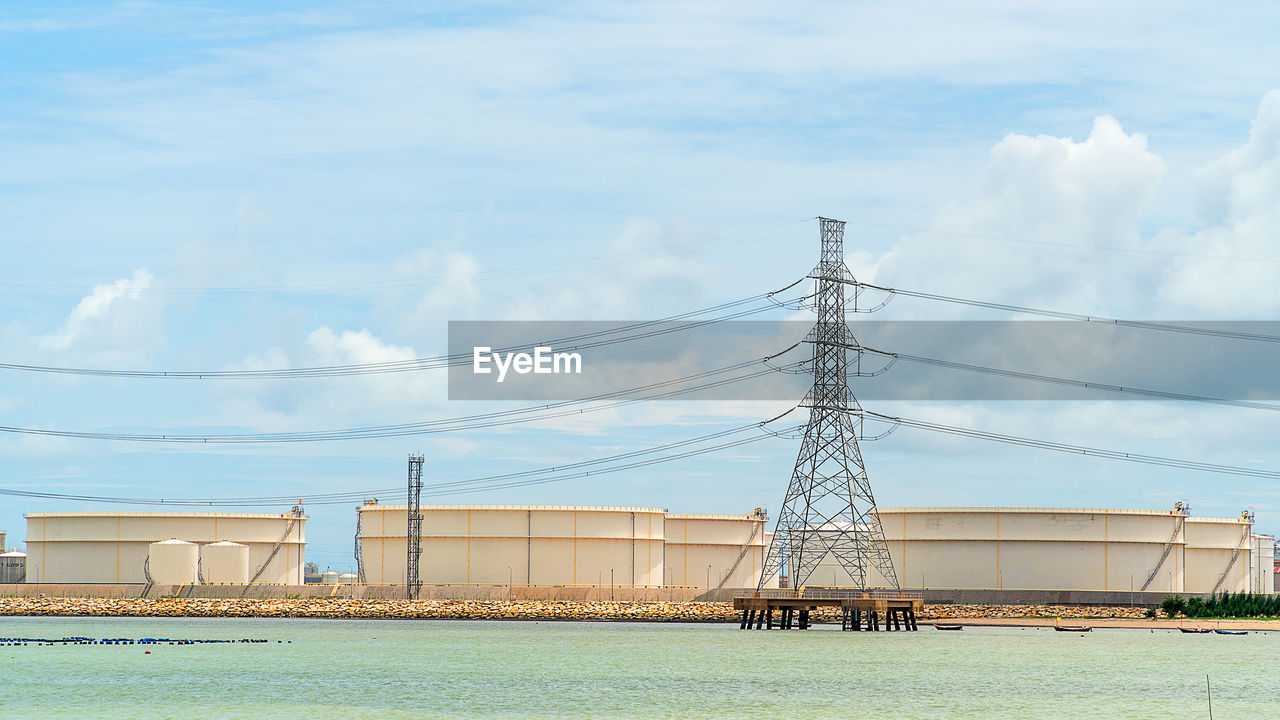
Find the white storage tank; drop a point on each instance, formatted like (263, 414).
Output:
(173, 562)
(111, 547)
(349, 578)
(224, 562)
(329, 577)
(13, 567)
(1095, 549)
(518, 545)
(715, 550)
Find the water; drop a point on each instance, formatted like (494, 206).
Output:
(434, 669)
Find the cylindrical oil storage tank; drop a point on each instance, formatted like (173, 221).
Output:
(224, 562)
(329, 577)
(111, 547)
(173, 562)
(715, 550)
(348, 578)
(1263, 567)
(517, 544)
(1055, 549)
(13, 567)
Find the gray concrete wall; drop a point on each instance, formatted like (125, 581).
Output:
(581, 594)
(1004, 597)
(385, 592)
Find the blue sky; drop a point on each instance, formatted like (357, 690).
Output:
(591, 161)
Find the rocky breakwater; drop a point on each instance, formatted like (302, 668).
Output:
(370, 609)
(374, 609)
(945, 611)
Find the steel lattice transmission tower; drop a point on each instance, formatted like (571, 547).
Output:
(829, 508)
(413, 581)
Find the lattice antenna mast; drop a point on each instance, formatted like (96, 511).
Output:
(413, 580)
(829, 508)
(359, 559)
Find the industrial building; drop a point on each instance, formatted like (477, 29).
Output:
(938, 548)
(564, 545)
(1070, 549)
(715, 550)
(140, 547)
(974, 548)
(530, 545)
(13, 567)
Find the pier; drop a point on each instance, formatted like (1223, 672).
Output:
(869, 610)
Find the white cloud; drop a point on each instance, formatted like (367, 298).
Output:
(1239, 198)
(1043, 191)
(327, 347)
(647, 262)
(451, 278)
(95, 310)
(329, 403)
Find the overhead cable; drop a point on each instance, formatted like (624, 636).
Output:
(554, 473)
(1083, 384)
(501, 418)
(572, 343)
(1144, 324)
(1075, 449)
(608, 260)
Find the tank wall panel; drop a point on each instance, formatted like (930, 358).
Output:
(1214, 534)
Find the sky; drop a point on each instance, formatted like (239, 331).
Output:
(200, 186)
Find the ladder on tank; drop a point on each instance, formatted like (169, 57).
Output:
(294, 517)
(746, 547)
(1168, 547)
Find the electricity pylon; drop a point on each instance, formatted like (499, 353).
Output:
(413, 580)
(829, 508)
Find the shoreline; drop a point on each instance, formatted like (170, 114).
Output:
(1251, 624)
(1035, 616)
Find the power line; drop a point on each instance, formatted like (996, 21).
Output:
(1083, 384)
(606, 260)
(455, 424)
(557, 473)
(585, 341)
(1144, 324)
(1074, 449)
(1073, 246)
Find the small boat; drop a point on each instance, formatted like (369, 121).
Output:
(939, 626)
(1220, 631)
(1195, 631)
(1072, 628)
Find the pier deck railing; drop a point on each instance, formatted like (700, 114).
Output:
(837, 593)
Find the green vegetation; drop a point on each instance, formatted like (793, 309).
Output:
(1150, 613)
(1226, 605)
(1173, 605)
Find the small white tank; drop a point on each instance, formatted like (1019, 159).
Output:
(224, 562)
(349, 578)
(328, 577)
(173, 562)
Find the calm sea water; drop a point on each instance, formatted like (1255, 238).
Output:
(426, 669)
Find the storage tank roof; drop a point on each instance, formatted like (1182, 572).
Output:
(226, 543)
(13, 553)
(172, 541)
(698, 516)
(561, 508)
(108, 514)
(1052, 510)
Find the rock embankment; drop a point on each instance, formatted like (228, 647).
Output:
(944, 611)
(480, 609)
